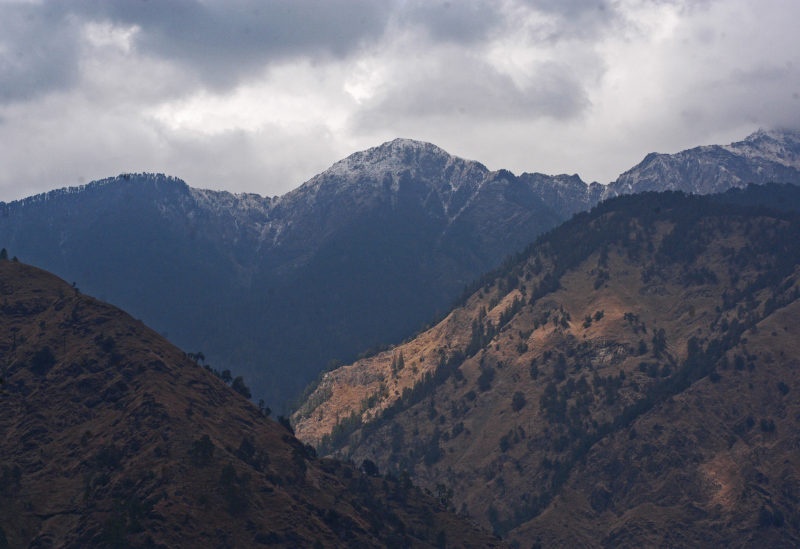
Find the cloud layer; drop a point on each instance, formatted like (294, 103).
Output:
(259, 96)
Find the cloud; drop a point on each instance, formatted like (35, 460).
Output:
(457, 84)
(226, 42)
(222, 43)
(259, 96)
(452, 21)
(71, 142)
(585, 19)
(38, 51)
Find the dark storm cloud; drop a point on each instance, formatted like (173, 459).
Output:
(446, 21)
(576, 18)
(469, 87)
(221, 42)
(226, 41)
(38, 51)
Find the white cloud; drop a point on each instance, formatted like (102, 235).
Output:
(259, 98)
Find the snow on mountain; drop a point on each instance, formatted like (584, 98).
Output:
(781, 146)
(764, 156)
(381, 169)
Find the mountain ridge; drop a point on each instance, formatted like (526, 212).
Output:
(583, 349)
(406, 224)
(115, 438)
(763, 156)
(777, 146)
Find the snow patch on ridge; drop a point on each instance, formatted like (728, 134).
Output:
(778, 146)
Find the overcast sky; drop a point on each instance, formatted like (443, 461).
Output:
(258, 96)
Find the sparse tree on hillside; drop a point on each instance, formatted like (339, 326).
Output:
(518, 401)
(239, 386)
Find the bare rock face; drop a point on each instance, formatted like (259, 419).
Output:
(112, 437)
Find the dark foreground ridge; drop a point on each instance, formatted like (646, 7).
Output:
(112, 437)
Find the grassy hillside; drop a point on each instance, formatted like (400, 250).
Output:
(626, 380)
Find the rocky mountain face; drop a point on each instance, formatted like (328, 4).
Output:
(626, 381)
(763, 157)
(112, 437)
(276, 288)
(567, 194)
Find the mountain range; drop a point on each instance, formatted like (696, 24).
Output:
(624, 378)
(277, 289)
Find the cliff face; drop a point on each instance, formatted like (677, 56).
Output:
(625, 381)
(112, 437)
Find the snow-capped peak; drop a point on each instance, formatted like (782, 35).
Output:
(781, 146)
(390, 156)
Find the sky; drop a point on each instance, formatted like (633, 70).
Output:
(259, 96)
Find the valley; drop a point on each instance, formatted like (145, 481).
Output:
(115, 438)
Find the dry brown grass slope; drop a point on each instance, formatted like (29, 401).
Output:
(629, 380)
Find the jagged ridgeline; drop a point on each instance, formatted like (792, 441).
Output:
(112, 437)
(628, 379)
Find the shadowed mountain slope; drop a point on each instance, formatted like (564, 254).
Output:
(275, 288)
(112, 437)
(626, 381)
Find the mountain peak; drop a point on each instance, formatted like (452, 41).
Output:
(384, 166)
(406, 143)
(764, 156)
(774, 134)
(395, 155)
(778, 145)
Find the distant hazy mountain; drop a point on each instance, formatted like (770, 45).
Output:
(566, 194)
(763, 157)
(275, 288)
